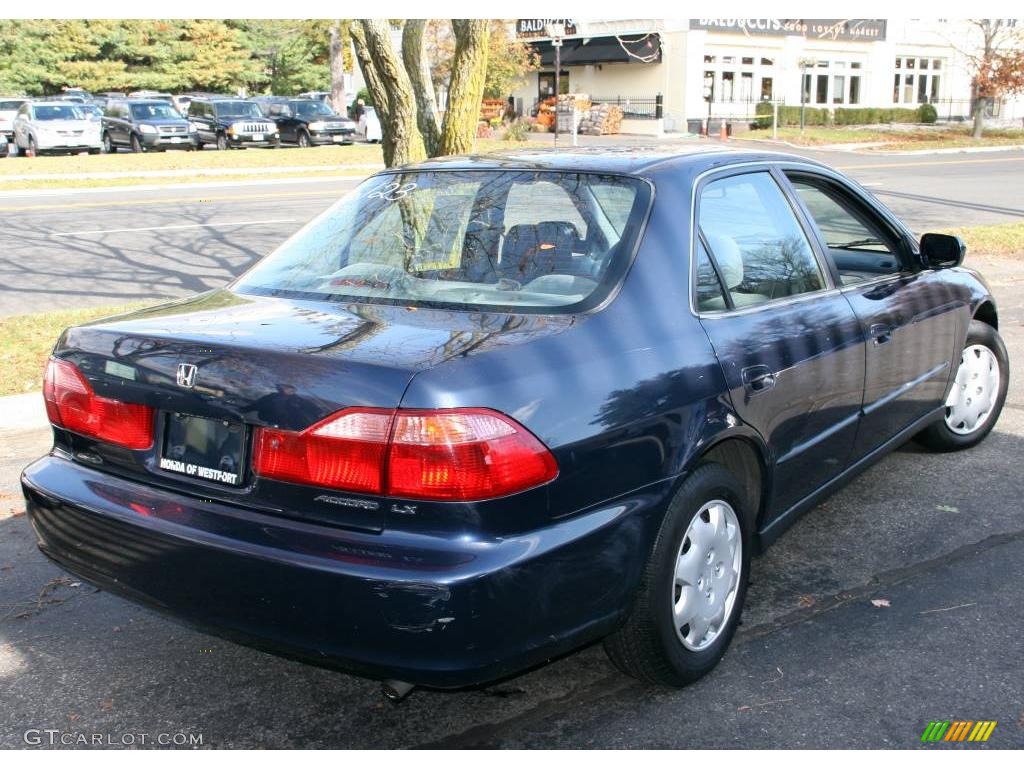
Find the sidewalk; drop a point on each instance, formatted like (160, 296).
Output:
(22, 413)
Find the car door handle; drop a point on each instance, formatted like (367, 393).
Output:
(881, 333)
(758, 378)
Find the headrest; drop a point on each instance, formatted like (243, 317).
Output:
(729, 258)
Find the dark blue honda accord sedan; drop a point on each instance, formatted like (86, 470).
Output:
(486, 410)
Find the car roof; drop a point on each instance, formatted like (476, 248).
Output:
(55, 103)
(141, 100)
(640, 161)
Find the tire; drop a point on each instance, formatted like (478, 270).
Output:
(649, 646)
(984, 371)
(136, 145)
(108, 145)
(303, 140)
(95, 151)
(222, 141)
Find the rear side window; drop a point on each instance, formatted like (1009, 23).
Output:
(756, 241)
(518, 240)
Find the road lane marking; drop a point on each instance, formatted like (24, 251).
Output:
(172, 226)
(337, 193)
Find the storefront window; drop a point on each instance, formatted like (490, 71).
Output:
(838, 89)
(916, 80)
(739, 76)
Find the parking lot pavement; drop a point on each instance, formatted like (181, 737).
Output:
(815, 664)
(107, 247)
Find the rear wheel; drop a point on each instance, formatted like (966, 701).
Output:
(979, 391)
(108, 145)
(693, 587)
(222, 141)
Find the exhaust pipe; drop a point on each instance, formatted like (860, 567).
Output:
(396, 690)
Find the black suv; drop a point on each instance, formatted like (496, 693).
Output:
(144, 124)
(307, 122)
(230, 123)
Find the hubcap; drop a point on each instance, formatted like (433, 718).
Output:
(707, 575)
(974, 392)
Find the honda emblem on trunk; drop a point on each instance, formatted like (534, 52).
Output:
(186, 375)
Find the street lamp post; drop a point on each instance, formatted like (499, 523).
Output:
(805, 89)
(556, 32)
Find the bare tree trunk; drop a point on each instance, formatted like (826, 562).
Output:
(337, 54)
(979, 117)
(392, 92)
(422, 84)
(469, 70)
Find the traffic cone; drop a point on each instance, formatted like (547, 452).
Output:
(723, 131)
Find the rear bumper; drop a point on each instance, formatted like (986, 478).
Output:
(443, 612)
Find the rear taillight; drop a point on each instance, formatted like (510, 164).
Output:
(72, 404)
(464, 454)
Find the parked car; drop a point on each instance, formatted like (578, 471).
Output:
(4, 146)
(316, 95)
(231, 123)
(55, 127)
(308, 122)
(181, 103)
(484, 411)
(9, 106)
(145, 124)
(368, 127)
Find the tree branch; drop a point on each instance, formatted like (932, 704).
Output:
(418, 68)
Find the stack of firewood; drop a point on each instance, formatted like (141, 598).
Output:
(602, 119)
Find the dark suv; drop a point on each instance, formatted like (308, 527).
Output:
(308, 122)
(145, 124)
(230, 123)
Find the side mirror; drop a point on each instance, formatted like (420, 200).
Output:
(942, 251)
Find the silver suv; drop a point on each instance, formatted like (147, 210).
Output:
(56, 127)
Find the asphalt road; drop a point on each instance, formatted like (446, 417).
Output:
(103, 248)
(815, 663)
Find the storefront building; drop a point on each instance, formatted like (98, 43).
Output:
(724, 67)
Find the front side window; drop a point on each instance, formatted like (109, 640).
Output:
(518, 240)
(312, 109)
(860, 248)
(756, 241)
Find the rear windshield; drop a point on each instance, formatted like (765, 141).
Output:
(513, 240)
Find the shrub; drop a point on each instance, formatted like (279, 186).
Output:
(516, 130)
(926, 114)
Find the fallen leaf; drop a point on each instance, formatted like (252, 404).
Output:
(107, 704)
(74, 718)
(117, 629)
(881, 603)
(946, 508)
(75, 584)
(806, 601)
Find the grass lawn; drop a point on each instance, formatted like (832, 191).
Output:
(26, 340)
(992, 239)
(894, 138)
(330, 160)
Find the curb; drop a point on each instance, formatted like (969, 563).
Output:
(23, 413)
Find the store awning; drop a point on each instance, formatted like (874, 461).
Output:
(602, 50)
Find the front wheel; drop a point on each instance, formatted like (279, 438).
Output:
(303, 140)
(108, 144)
(694, 585)
(979, 391)
(136, 144)
(222, 141)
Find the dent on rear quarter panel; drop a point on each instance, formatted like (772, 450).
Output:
(624, 395)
